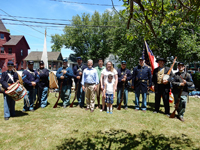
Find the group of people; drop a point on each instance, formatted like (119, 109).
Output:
(101, 81)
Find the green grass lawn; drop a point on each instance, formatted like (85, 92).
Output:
(75, 128)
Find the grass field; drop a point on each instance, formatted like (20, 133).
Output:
(75, 128)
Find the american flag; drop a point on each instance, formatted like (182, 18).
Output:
(150, 59)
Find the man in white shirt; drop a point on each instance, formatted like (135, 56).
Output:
(90, 80)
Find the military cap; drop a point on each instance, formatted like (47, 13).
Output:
(141, 58)
(123, 62)
(79, 58)
(161, 59)
(10, 63)
(30, 62)
(65, 60)
(181, 63)
(41, 62)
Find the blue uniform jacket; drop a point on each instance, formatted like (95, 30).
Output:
(44, 78)
(78, 69)
(141, 75)
(29, 76)
(121, 73)
(5, 79)
(67, 76)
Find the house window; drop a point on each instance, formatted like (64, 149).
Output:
(2, 50)
(2, 36)
(22, 64)
(21, 52)
(9, 50)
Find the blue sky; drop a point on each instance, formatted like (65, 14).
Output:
(47, 9)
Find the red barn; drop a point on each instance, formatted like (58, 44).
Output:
(12, 47)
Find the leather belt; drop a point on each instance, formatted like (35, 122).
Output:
(142, 80)
(90, 83)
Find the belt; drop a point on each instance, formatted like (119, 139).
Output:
(90, 83)
(142, 80)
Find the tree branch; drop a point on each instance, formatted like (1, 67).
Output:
(131, 13)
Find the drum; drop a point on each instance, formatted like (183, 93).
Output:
(53, 82)
(17, 91)
(165, 77)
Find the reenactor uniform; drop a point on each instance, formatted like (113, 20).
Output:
(160, 88)
(121, 74)
(141, 81)
(29, 76)
(80, 92)
(8, 77)
(177, 80)
(43, 85)
(67, 83)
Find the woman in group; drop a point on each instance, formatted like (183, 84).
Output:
(104, 77)
(9, 77)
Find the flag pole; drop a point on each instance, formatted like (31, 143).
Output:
(148, 55)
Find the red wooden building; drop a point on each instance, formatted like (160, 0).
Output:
(12, 47)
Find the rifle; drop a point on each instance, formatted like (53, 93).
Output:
(37, 101)
(122, 97)
(77, 84)
(55, 106)
(177, 104)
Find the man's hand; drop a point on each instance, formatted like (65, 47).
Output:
(95, 87)
(165, 81)
(17, 81)
(182, 84)
(38, 73)
(184, 81)
(123, 79)
(132, 87)
(9, 88)
(80, 73)
(64, 72)
(102, 87)
(33, 83)
(83, 88)
(62, 77)
(78, 77)
(153, 88)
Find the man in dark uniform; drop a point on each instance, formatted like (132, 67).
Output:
(43, 85)
(182, 80)
(141, 76)
(8, 77)
(65, 74)
(78, 70)
(161, 87)
(124, 75)
(30, 78)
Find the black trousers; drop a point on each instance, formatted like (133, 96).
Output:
(161, 90)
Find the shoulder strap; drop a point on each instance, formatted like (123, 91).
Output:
(10, 77)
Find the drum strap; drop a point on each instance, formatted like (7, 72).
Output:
(10, 77)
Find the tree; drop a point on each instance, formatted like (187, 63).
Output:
(169, 26)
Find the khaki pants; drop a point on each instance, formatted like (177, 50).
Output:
(90, 95)
(99, 92)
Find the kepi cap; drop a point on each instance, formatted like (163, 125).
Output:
(78, 58)
(10, 63)
(30, 62)
(181, 63)
(65, 60)
(123, 62)
(41, 62)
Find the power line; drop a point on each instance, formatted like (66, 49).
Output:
(37, 18)
(83, 3)
(22, 22)
(102, 26)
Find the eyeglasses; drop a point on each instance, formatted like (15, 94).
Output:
(110, 77)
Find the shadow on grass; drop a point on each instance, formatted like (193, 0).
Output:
(20, 113)
(121, 139)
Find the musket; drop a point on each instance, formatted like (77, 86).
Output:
(177, 104)
(55, 106)
(122, 97)
(77, 84)
(37, 101)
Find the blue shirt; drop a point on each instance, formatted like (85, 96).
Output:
(90, 76)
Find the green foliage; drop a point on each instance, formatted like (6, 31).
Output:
(196, 80)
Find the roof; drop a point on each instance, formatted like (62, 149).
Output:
(2, 27)
(36, 56)
(14, 39)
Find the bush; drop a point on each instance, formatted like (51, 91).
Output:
(196, 80)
